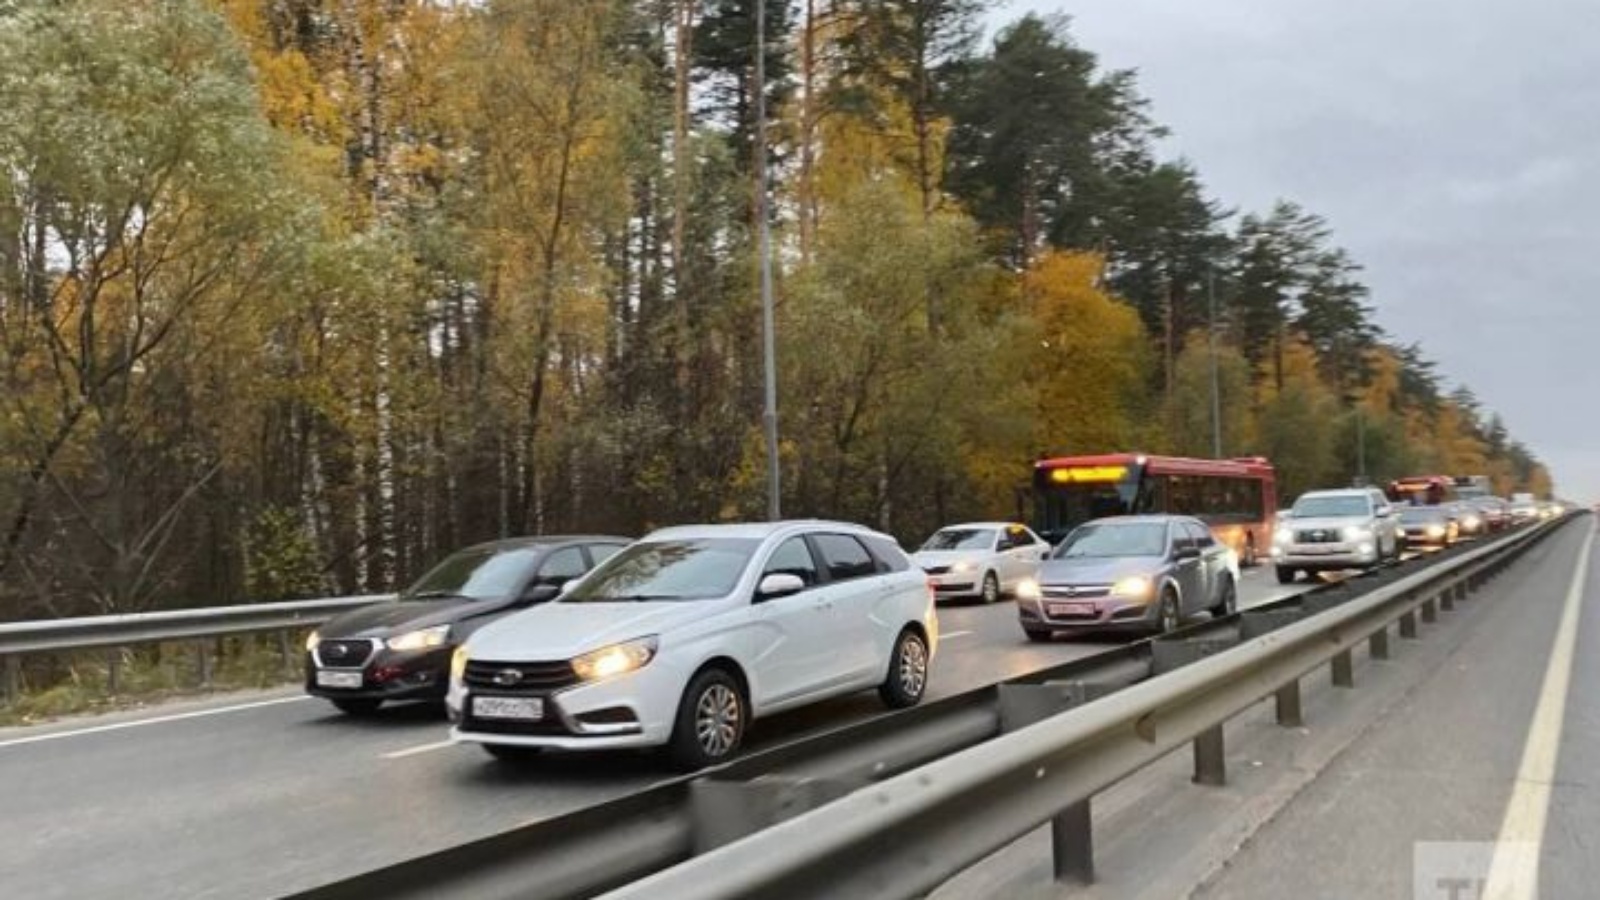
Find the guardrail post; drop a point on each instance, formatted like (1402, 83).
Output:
(286, 654)
(1430, 610)
(203, 663)
(1408, 625)
(13, 680)
(1447, 598)
(1288, 702)
(1344, 669)
(1378, 644)
(1210, 758)
(1071, 830)
(113, 672)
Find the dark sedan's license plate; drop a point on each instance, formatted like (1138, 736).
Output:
(1072, 609)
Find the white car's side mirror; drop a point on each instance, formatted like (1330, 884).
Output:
(779, 584)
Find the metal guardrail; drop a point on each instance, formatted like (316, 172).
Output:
(928, 791)
(909, 834)
(95, 632)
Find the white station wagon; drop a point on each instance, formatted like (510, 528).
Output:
(684, 637)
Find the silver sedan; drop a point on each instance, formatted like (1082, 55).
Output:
(1139, 573)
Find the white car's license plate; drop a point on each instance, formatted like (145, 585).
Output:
(530, 709)
(1072, 609)
(339, 679)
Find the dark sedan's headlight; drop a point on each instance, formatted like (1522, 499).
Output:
(421, 639)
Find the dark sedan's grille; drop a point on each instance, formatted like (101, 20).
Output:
(352, 654)
(936, 570)
(520, 677)
(1317, 536)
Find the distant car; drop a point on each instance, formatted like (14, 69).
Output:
(400, 650)
(1430, 526)
(1350, 528)
(1141, 573)
(986, 560)
(686, 636)
(1470, 520)
(1524, 509)
(1496, 513)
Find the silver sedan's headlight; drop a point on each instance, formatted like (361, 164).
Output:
(1137, 587)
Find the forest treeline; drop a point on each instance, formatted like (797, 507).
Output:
(297, 295)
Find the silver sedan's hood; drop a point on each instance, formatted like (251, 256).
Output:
(1097, 570)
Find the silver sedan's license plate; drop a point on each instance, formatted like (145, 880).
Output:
(530, 709)
(339, 679)
(1072, 609)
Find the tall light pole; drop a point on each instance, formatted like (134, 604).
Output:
(768, 327)
(1216, 387)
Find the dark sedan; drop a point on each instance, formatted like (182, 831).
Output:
(400, 650)
(1429, 526)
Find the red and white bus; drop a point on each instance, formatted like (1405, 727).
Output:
(1238, 498)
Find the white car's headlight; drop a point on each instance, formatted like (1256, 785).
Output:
(421, 639)
(1435, 531)
(617, 659)
(458, 663)
(1356, 533)
(1283, 535)
(1137, 588)
(312, 640)
(1028, 589)
(1472, 521)
(964, 565)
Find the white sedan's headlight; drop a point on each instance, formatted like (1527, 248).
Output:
(617, 659)
(458, 663)
(421, 639)
(1356, 533)
(1136, 588)
(964, 565)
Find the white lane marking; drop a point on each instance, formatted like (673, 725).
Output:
(948, 635)
(1514, 872)
(159, 720)
(423, 748)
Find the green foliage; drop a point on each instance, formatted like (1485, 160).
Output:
(281, 559)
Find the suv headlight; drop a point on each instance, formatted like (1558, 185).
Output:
(312, 640)
(1356, 533)
(1283, 535)
(421, 639)
(617, 659)
(1137, 588)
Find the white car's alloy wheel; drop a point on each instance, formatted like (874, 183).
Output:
(717, 719)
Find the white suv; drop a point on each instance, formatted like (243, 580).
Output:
(686, 636)
(1326, 531)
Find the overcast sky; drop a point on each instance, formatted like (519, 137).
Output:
(1453, 145)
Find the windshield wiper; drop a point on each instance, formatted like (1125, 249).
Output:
(436, 595)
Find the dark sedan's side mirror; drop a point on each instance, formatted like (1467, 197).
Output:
(541, 592)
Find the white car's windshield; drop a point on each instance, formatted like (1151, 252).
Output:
(1330, 507)
(482, 573)
(687, 569)
(961, 539)
(1106, 540)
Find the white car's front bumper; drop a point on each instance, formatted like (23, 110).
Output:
(636, 709)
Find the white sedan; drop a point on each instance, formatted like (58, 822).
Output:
(686, 636)
(983, 560)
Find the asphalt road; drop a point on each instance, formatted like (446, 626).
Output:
(258, 795)
(1414, 807)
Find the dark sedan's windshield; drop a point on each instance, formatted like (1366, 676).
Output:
(1114, 540)
(688, 569)
(1421, 515)
(961, 539)
(1330, 507)
(482, 573)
